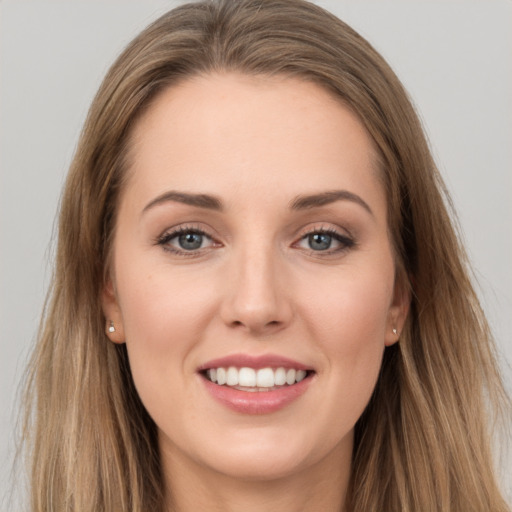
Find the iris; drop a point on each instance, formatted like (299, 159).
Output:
(190, 241)
(319, 241)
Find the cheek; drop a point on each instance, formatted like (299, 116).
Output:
(348, 319)
(350, 309)
(162, 306)
(164, 317)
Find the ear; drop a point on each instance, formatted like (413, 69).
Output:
(398, 311)
(114, 321)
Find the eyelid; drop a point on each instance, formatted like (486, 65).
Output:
(343, 237)
(170, 233)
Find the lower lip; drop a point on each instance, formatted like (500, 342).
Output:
(257, 402)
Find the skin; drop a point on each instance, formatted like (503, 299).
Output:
(255, 286)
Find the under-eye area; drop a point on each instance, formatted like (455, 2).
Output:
(251, 379)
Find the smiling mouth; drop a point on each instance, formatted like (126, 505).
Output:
(255, 380)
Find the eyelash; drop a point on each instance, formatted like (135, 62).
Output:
(346, 241)
(165, 239)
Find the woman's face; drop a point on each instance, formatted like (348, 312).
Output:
(252, 241)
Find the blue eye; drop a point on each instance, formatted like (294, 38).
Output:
(185, 241)
(327, 241)
(319, 241)
(190, 241)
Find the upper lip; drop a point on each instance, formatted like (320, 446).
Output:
(256, 362)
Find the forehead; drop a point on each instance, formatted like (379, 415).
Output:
(232, 132)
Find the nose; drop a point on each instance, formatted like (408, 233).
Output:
(258, 298)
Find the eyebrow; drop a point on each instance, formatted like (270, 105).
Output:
(200, 200)
(299, 203)
(324, 198)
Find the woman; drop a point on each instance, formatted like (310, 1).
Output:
(259, 300)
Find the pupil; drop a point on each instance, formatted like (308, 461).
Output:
(190, 241)
(320, 241)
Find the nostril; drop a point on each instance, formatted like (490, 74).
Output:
(252, 326)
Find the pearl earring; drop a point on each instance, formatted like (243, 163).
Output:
(395, 332)
(111, 327)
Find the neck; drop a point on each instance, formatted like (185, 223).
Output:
(322, 486)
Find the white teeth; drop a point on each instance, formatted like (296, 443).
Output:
(247, 377)
(299, 375)
(265, 378)
(232, 376)
(290, 376)
(221, 376)
(280, 377)
(262, 379)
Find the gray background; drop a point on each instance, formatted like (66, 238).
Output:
(454, 56)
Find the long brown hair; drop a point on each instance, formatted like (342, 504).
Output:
(424, 441)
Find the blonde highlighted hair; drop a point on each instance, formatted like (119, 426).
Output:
(424, 440)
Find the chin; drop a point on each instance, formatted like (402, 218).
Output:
(261, 466)
(267, 454)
